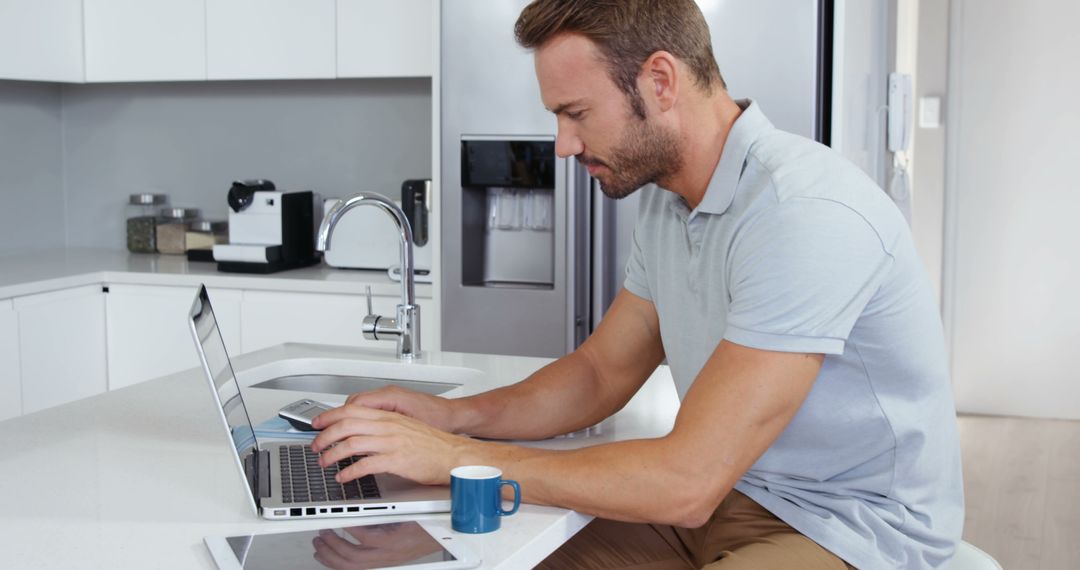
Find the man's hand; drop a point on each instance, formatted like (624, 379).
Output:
(392, 443)
(432, 410)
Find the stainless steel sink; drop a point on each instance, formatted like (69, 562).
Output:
(346, 385)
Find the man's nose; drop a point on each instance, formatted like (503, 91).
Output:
(568, 144)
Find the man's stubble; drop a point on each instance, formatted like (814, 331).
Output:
(646, 153)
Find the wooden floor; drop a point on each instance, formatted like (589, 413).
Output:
(1022, 486)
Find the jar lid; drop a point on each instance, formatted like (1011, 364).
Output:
(148, 199)
(209, 226)
(180, 213)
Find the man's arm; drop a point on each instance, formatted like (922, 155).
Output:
(572, 393)
(739, 404)
(578, 390)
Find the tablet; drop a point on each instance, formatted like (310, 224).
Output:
(412, 545)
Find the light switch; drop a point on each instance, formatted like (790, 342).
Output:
(929, 112)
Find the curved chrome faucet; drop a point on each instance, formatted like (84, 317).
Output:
(406, 327)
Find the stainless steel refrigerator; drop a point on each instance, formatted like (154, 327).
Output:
(532, 252)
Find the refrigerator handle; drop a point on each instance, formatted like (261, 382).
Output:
(601, 254)
(579, 262)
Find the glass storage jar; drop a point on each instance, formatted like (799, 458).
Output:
(172, 229)
(142, 221)
(202, 236)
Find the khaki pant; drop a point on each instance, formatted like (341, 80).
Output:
(740, 535)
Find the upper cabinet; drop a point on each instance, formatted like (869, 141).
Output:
(41, 40)
(377, 38)
(271, 39)
(136, 40)
(193, 40)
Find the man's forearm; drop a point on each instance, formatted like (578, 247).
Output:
(634, 481)
(561, 397)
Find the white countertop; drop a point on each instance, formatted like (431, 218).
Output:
(136, 477)
(51, 270)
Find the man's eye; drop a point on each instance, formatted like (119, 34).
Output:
(575, 115)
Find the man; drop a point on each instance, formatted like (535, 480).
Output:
(816, 427)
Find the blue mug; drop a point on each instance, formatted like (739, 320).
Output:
(476, 498)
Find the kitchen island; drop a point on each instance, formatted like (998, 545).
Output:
(137, 477)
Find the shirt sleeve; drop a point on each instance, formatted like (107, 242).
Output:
(801, 274)
(637, 280)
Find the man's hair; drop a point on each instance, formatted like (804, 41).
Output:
(627, 32)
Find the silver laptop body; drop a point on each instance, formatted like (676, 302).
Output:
(279, 478)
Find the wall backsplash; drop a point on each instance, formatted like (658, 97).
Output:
(191, 140)
(31, 177)
(85, 148)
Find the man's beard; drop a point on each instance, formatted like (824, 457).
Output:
(645, 154)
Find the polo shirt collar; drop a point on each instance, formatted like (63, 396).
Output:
(725, 179)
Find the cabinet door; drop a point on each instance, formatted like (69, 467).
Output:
(381, 38)
(137, 40)
(10, 385)
(270, 39)
(269, 318)
(148, 333)
(61, 346)
(41, 40)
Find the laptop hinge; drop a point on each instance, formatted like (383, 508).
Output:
(257, 470)
(264, 474)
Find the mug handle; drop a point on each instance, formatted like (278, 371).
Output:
(517, 497)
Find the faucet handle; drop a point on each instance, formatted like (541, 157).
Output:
(370, 325)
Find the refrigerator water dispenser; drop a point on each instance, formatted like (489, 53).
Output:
(508, 213)
(519, 244)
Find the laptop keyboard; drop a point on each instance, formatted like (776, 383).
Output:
(304, 481)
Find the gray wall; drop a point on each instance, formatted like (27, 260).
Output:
(31, 177)
(190, 140)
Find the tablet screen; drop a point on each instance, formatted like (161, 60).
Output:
(357, 547)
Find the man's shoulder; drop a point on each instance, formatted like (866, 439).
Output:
(797, 170)
(800, 167)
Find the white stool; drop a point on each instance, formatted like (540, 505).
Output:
(970, 558)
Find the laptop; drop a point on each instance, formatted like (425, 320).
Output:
(283, 479)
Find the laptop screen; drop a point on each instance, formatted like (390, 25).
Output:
(227, 389)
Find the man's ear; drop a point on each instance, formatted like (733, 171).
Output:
(660, 80)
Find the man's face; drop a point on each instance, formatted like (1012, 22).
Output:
(596, 122)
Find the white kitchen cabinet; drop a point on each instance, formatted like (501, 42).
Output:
(41, 40)
(61, 346)
(10, 383)
(381, 38)
(136, 40)
(148, 334)
(270, 39)
(270, 318)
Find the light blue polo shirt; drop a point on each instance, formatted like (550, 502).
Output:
(794, 249)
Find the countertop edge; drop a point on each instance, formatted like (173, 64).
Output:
(352, 282)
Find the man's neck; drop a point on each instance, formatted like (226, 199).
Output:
(706, 124)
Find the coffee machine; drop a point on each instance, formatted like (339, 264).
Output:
(269, 230)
